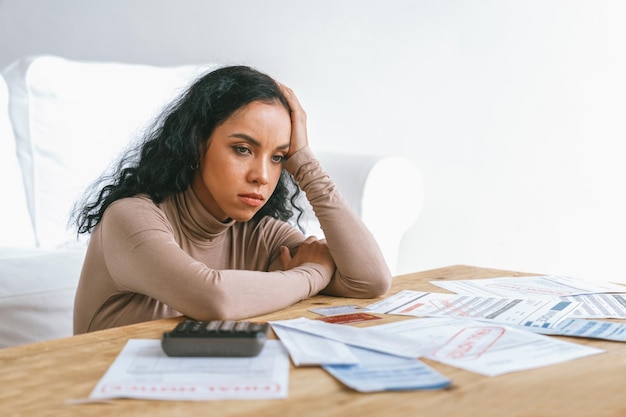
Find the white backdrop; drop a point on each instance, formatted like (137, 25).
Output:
(514, 110)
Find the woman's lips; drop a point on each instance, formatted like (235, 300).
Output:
(253, 200)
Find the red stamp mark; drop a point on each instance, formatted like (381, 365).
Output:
(470, 343)
(412, 307)
(455, 308)
(349, 318)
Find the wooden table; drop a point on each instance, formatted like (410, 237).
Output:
(38, 379)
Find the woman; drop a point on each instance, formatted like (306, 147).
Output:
(196, 223)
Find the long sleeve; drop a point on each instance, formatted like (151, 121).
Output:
(361, 268)
(142, 265)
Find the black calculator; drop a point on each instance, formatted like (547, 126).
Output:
(215, 338)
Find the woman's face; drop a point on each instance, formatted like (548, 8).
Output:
(242, 163)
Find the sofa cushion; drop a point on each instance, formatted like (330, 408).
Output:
(15, 226)
(37, 290)
(72, 119)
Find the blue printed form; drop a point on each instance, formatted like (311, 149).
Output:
(594, 329)
(378, 371)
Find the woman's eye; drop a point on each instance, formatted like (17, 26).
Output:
(241, 150)
(278, 158)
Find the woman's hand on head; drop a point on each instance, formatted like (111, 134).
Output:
(311, 250)
(299, 137)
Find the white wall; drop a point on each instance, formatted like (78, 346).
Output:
(514, 110)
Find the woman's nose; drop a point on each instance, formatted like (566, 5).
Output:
(259, 172)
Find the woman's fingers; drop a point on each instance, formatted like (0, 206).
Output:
(299, 137)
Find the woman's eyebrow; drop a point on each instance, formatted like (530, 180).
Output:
(255, 142)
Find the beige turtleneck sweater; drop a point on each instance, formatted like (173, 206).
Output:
(147, 261)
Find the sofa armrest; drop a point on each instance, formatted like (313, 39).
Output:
(385, 191)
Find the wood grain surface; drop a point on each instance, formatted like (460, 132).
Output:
(43, 379)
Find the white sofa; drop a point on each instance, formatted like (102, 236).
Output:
(63, 122)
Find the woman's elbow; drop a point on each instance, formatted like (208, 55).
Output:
(373, 287)
(379, 287)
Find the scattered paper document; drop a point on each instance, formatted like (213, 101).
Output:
(594, 329)
(335, 310)
(381, 372)
(528, 287)
(306, 349)
(541, 312)
(142, 370)
(484, 348)
(361, 369)
(597, 300)
(598, 306)
(368, 337)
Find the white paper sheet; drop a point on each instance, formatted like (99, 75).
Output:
(484, 348)
(367, 338)
(143, 370)
(381, 372)
(528, 287)
(306, 349)
(542, 312)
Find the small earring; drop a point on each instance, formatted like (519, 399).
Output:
(195, 166)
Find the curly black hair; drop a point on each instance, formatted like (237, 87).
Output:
(163, 163)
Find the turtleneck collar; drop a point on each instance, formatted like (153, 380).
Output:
(196, 220)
